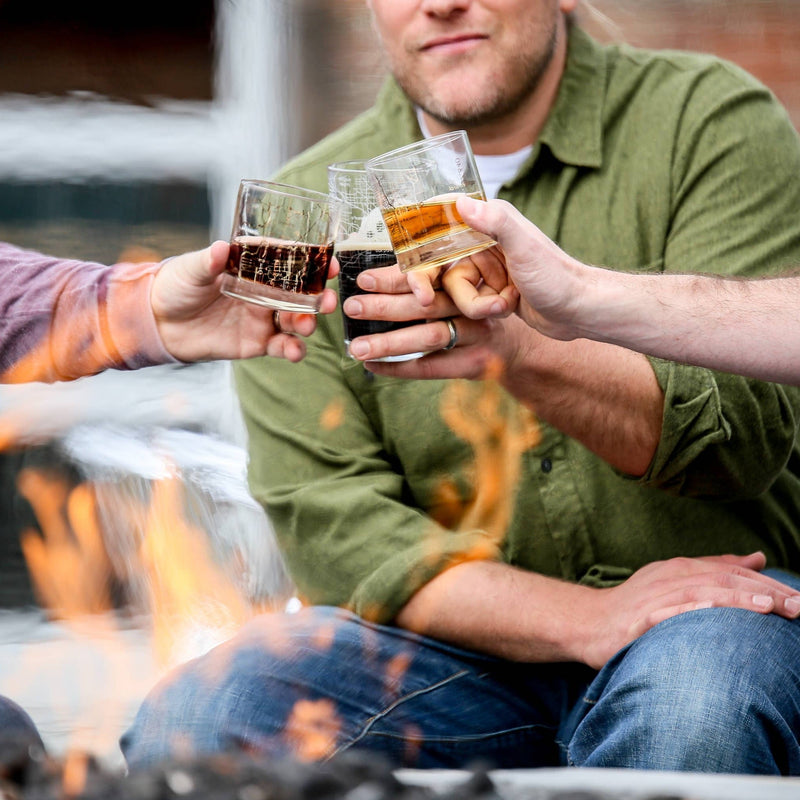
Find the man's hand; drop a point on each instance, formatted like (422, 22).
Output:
(197, 323)
(392, 295)
(527, 272)
(663, 589)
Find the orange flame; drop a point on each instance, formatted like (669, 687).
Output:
(73, 574)
(476, 413)
(312, 728)
(69, 563)
(499, 434)
(332, 415)
(187, 587)
(74, 773)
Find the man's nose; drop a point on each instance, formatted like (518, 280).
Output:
(444, 8)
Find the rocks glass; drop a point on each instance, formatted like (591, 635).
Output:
(281, 247)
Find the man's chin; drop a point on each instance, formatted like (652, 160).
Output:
(460, 108)
(456, 118)
(455, 98)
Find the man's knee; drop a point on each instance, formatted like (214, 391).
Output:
(705, 691)
(16, 725)
(277, 688)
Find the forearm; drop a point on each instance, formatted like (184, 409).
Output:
(603, 396)
(65, 319)
(501, 610)
(745, 326)
(104, 323)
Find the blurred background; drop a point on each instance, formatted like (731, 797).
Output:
(124, 132)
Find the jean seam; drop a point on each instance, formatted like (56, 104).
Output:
(400, 700)
(565, 746)
(475, 737)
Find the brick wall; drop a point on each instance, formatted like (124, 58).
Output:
(763, 36)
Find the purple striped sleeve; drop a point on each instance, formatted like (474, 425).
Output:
(62, 319)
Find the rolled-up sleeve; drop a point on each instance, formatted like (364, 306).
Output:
(736, 211)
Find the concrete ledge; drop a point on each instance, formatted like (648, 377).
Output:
(613, 784)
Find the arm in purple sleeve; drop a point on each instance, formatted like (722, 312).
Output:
(62, 319)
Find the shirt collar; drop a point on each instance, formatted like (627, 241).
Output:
(574, 128)
(397, 114)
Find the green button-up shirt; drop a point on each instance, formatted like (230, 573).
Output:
(648, 161)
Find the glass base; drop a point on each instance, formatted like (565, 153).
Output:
(444, 250)
(269, 296)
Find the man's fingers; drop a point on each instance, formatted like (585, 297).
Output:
(710, 598)
(283, 345)
(475, 303)
(723, 570)
(732, 587)
(388, 280)
(757, 603)
(487, 266)
(749, 568)
(429, 337)
(329, 301)
(416, 338)
(496, 218)
(333, 268)
(470, 363)
(755, 561)
(202, 267)
(421, 283)
(398, 308)
(305, 324)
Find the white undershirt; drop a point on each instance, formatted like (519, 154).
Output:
(494, 170)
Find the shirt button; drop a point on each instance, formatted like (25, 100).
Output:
(547, 465)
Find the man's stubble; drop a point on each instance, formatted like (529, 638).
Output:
(499, 100)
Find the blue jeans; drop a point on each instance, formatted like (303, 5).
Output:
(16, 726)
(713, 690)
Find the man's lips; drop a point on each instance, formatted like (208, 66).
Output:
(451, 44)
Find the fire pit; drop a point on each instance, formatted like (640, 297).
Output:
(27, 774)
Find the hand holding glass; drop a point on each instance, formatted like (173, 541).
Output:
(361, 243)
(416, 187)
(281, 247)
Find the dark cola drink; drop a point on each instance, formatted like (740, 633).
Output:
(353, 259)
(287, 266)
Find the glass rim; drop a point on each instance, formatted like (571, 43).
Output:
(420, 145)
(348, 166)
(288, 189)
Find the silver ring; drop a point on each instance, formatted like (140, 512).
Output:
(276, 321)
(451, 326)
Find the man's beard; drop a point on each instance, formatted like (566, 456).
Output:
(488, 108)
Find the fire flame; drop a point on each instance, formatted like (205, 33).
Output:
(312, 728)
(72, 573)
(477, 413)
(187, 586)
(69, 563)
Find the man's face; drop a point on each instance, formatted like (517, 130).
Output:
(468, 62)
